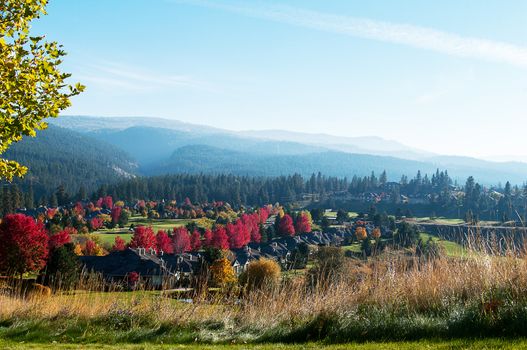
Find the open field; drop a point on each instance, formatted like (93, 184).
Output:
(333, 214)
(438, 220)
(107, 236)
(159, 224)
(453, 344)
(451, 248)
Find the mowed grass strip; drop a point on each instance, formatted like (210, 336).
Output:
(453, 344)
(107, 236)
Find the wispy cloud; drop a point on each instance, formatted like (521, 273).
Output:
(404, 34)
(118, 75)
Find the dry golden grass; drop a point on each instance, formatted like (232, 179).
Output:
(396, 282)
(391, 281)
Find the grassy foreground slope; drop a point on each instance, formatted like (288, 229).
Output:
(399, 298)
(455, 344)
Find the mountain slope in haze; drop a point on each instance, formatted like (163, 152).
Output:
(89, 123)
(150, 145)
(153, 147)
(366, 145)
(207, 159)
(363, 144)
(60, 156)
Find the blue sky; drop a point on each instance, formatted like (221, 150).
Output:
(444, 76)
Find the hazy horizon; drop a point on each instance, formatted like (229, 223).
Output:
(447, 78)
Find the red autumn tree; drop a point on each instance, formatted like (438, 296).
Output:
(90, 248)
(116, 214)
(164, 243)
(263, 214)
(60, 238)
(195, 241)
(96, 223)
(207, 238)
(119, 244)
(181, 240)
(24, 244)
(220, 239)
(143, 237)
(238, 234)
(78, 209)
(251, 222)
(286, 227)
(235, 240)
(303, 225)
(50, 213)
(107, 202)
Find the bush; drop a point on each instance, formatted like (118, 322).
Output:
(260, 274)
(329, 266)
(407, 235)
(63, 268)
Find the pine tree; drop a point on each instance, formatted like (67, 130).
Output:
(29, 200)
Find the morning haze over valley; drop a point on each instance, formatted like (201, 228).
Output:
(263, 175)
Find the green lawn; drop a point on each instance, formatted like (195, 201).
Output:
(440, 220)
(107, 236)
(452, 344)
(451, 248)
(333, 214)
(159, 224)
(355, 247)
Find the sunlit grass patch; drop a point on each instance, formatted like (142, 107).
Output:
(451, 248)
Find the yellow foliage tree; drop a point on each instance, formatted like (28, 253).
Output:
(361, 233)
(32, 87)
(78, 249)
(205, 223)
(105, 218)
(222, 273)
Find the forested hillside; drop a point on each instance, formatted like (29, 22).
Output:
(206, 159)
(59, 156)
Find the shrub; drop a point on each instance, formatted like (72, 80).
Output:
(407, 235)
(63, 268)
(329, 265)
(260, 274)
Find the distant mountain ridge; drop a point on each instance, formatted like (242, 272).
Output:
(88, 123)
(162, 145)
(208, 159)
(367, 145)
(361, 144)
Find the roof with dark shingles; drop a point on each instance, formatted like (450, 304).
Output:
(121, 263)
